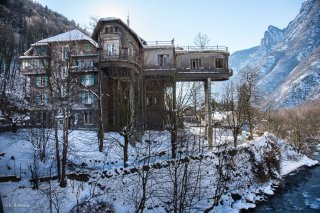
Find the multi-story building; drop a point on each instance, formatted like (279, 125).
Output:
(61, 79)
(134, 75)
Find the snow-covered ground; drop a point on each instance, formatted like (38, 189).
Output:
(240, 176)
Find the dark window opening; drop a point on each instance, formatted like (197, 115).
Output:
(111, 29)
(156, 100)
(87, 118)
(149, 101)
(195, 63)
(163, 59)
(220, 63)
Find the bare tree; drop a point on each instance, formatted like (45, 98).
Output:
(234, 104)
(249, 78)
(201, 40)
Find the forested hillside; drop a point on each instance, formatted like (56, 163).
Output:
(22, 22)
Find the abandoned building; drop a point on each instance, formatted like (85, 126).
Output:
(64, 73)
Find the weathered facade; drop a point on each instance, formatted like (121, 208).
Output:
(61, 80)
(134, 75)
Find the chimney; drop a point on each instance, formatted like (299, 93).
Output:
(128, 21)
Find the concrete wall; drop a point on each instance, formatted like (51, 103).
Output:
(208, 59)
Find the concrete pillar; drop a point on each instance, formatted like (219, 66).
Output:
(208, 111)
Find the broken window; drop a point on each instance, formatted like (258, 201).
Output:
(87, 118)
(220, 63)
(195, 63)
(65, 52)
(163, 59)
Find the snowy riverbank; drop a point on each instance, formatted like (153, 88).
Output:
(239, 176)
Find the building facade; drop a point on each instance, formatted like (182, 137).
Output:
(65, 73)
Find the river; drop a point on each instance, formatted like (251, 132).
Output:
(301, 192)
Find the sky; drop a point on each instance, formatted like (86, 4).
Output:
(237, 24)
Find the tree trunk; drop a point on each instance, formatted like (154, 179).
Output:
(63, 181)
(174, 132)
(235, 136)
(101, 127)
(56, 139)
(125, 150)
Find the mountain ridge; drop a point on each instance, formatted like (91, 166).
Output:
(280, 56)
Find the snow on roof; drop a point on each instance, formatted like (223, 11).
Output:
(73, 35)
(109, 19)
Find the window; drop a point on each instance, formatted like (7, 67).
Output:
(156, 100)
(163, 59)
(220, 63)
(87, 98)
(85, 65)
(63, 90)
(130, 50)
(42, 99)
(152, 101)
(76, 118)
(26, 65)
(42, 81)
(28, 86)
(112, 47)
(87, 118)
(87, 47)
(41, 50)
(111, 29)
(64, 73)
(148, 101)
(65, 52)
(41, 118)
(88, 80)
(195, 63)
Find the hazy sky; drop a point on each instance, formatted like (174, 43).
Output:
(238, 24)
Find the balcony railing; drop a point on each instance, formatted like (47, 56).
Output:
(83, 68)
(120, 57)
(203, 70)
(159, 67)
(160, 43)
(204, 48)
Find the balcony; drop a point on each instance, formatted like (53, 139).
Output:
(202, 73)
(121, 60)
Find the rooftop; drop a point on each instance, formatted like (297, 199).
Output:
(73, 35)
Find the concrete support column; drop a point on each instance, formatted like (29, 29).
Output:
(208, 111)
(132, 102)
(174, 132)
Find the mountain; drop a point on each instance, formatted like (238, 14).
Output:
(288, 60)
(30, 21)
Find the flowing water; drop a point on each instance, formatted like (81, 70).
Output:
(301, 192)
